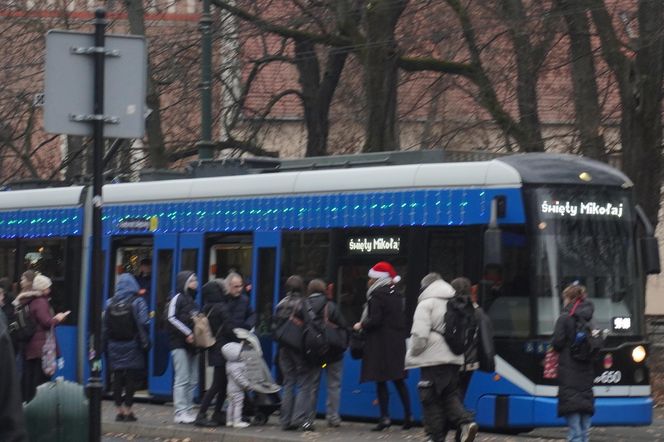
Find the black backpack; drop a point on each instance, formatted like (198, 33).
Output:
(314, 339)
(586, 342)
(460, 325)
(23, 327)
(120, 320)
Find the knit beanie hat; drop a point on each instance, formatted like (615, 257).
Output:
(384, 269)
(41, 283)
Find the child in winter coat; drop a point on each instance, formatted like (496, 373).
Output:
(237, 384)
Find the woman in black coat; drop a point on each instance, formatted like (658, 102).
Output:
(384, 325)
(575, 377)
(214, 299)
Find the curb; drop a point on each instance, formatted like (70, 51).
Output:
(190, 433)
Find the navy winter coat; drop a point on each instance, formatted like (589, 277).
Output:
(125, 355)
(575, 378)
(240, 315)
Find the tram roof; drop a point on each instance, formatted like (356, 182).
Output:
(51, 197)
(380, 178)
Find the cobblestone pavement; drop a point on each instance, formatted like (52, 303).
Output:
(155, 424)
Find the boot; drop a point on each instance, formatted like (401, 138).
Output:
(203, 421)
(383, 423)
(219, 417)
(407, 423)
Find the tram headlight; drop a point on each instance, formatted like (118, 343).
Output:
(638, 354)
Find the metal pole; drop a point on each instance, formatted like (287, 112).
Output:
(205, 145)
(94, 386)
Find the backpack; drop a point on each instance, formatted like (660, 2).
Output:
(460, 325)
(121, 323)
(314, 339)
(23, 327)
(587, 341)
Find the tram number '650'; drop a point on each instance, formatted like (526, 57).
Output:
(609, 377)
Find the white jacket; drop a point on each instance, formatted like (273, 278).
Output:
(427, 347)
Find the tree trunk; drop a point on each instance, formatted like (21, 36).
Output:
(380, 58)
(588, 114)
(157, 157)
(316, 95)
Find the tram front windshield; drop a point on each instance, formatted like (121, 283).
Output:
(585, 236)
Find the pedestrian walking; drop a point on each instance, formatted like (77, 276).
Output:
(334, 360)
(576, 402)
(181, 309)
(125, 342)
(290, 360)
(439, 365)
(12, 424)
(384, 323)
(214, 306)
(238, 383)
(41, 343)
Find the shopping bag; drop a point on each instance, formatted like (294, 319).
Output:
(290, 332)
(551, 364)
(49, 354)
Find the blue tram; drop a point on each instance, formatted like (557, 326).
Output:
(522, 226)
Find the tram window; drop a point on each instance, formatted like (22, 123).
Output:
(189, 260)
(265, 289)
(304, 254)
(447, 254)
(8, 260)
(505, 293)
(232, 256)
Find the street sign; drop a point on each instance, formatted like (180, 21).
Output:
(69, 92)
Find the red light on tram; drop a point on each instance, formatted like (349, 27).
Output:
(608, 361)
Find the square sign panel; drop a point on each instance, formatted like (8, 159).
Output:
(69, 87)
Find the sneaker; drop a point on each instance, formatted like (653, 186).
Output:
(468, 432)
(229, 424)
(307, 426)
(184, 418)
(240, 424)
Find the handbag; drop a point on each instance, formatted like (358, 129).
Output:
(49, 354)
(551, 364)
(202, 334)
(290, 332)
(357, 341)
(336, 336)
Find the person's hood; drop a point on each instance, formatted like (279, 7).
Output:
(584, 310)
(182, 280)
(231, 351)
(437, 289)
(27, 296)
(213, 291)
(126, 286)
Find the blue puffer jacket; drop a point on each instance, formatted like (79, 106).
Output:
(124, 355)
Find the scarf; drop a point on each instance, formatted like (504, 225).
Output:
(382, 282)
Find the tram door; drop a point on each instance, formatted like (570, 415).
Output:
(265, 283)
(132, 255)
(160, 372)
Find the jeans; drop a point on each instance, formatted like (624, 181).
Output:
(305, 402)
(334, 372)
(185, 365)
(579, 427)
(291, 366)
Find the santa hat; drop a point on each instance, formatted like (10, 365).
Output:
(382, 270)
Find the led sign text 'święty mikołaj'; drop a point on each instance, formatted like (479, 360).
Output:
(391, 244)
(591, 208)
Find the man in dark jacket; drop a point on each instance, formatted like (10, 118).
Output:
(181, 308)
(12, 426)
(576, 402)
(238, 308)
(125, 355)
(214, 299)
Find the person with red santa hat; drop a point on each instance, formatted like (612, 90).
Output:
(384, 324)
